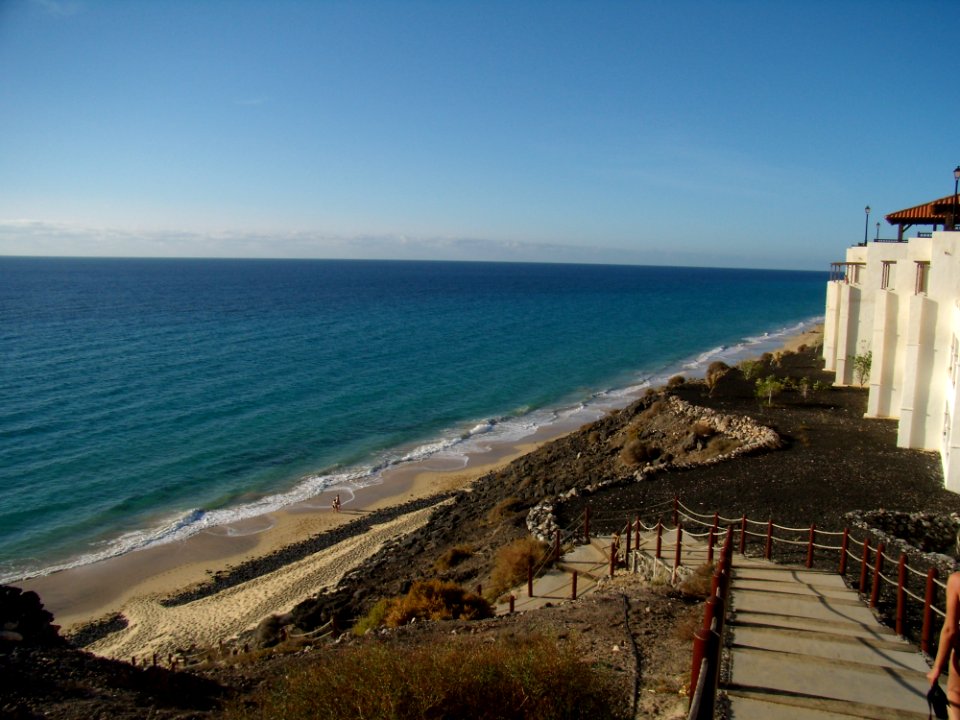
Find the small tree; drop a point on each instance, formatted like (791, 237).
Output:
(861, 366)
(750, 368)
(768, 388)
(715, 372)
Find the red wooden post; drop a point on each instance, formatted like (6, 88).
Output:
(676, 557)
(769, 548)
(716, 523)
(676, 510)
(844, 545)
(479, 589)
(573, 586)
(710, 546)
(529, 577)
(700, 638)
(863, 566)
(613, 555)
(877, 570)
(637, 543)
(626, 554)
(586, 524)
(743, 534)
(513, 603)
(813, 534)
(901, 592)
(928, 610)
(659, 539)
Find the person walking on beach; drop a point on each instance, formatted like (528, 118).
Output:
(336, 503)
(947, 656)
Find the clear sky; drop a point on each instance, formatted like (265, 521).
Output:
(746, 134)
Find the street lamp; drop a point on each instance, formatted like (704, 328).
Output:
(953, 214)
(877, 239)
(866, 222)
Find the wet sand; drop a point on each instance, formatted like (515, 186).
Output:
(86, 593)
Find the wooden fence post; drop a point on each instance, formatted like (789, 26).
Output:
(513, 603)
(659, 539)
(743, 534)
(844, 545)
(877, 571)
(813, 535)
(769, 548)
(677, 555)
(710, 546)
(637, 543)
(901, 592)
(530, 577)
(573, 586)
(863, 566)
(626, 552)
(928, 600)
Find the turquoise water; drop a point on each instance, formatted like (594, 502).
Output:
(144, 400)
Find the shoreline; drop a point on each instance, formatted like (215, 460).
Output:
(132, 584)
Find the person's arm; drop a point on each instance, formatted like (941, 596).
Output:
(949, 630)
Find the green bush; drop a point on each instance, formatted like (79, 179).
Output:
(750, 368)
(528, 678)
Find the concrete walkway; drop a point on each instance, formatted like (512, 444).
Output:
(800, 644)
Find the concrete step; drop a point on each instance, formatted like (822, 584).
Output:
(891, 652)
(788, 674)
(800, 605)
(753, 704)
(870, 630)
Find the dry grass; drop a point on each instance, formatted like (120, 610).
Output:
(530, 677)
(436, 600)
(506, 509)
(453, 557)
(510, 565)
(698, 584)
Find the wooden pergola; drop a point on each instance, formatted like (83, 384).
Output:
(943, 213)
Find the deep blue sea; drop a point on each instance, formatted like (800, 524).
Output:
(144, 400)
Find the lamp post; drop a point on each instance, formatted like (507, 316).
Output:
(866, 224)
(877, 239)
(953, 214)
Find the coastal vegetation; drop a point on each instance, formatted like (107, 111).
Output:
(533, 677)
(861, 366)
(426, 600)
(512, 561)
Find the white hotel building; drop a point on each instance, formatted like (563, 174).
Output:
(900, 300)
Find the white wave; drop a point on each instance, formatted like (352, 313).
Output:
(455, 445)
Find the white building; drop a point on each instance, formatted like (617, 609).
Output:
(900, 301)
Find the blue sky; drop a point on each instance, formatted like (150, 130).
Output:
(746, 134)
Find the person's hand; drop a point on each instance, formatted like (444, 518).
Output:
(933, 676)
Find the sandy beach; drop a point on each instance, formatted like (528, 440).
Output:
(133, 584)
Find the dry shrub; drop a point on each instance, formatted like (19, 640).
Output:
(675, 381)
(698, 583)
(703, 429)
(637, 452)
(721, 445)
(510, 565)
(453, 557)
(524, 678)
(715, 372)
(436, 600)
(684, 630)
(506, 509)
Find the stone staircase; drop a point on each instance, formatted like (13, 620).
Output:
(799, 643)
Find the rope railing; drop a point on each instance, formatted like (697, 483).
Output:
(877, 585)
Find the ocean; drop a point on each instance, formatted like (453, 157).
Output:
(142, 401)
